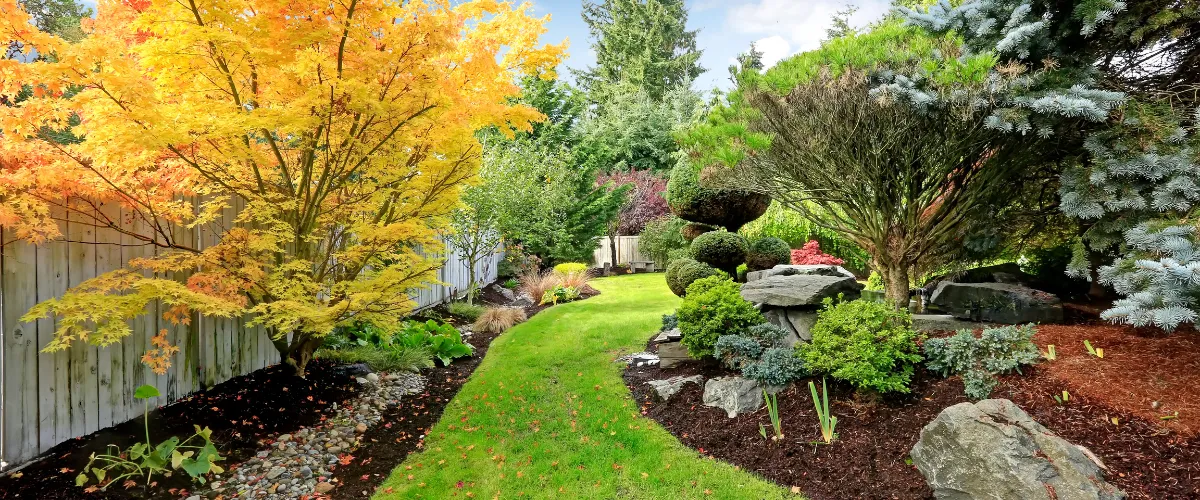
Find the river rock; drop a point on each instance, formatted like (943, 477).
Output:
(799, 290)
(997, 303)
(993, 450)
(733, 394)
(667, 388)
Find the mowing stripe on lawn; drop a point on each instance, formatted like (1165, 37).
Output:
(547, 415)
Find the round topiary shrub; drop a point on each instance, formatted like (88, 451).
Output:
(768, 252)
(713, 307)
(728, 208)
(683, 272)
(721, 249)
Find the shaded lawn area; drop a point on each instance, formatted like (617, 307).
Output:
(547, 415)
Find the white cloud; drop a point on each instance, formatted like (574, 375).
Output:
(774, 49)
(802, 23)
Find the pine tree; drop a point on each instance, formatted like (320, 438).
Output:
(642, 42)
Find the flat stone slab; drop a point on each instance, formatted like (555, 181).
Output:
(799, 290)
(671, 354)
(799, 269)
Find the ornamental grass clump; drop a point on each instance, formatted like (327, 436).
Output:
(536, 284)
(499, 319)
(979, 359)
(713, 307)
(868, 344)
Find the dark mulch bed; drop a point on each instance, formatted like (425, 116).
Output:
(869, 458)
(241, 412)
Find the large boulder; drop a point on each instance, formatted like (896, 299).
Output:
(798, 270)
(733, 394)
(997, 303)
(799, 290)
(993, 450)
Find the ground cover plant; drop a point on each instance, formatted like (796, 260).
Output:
(568, 427)
(978, 360)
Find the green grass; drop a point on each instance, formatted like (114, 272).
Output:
(546, 415)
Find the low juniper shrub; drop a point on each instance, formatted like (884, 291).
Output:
(868, 344)
(778, 366)
(737, 351)
(996, 351)
(669, 322)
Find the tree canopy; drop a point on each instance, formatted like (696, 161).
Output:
(642, 42)
(339, 137)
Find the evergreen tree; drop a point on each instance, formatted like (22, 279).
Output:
(642, 42)
(1131, 176)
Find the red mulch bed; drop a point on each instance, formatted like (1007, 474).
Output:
(1147, 457)
(248, 412)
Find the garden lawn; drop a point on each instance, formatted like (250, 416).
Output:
(546, 415)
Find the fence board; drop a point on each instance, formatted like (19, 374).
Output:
(54, 402)
(20, 352)
(627, 250)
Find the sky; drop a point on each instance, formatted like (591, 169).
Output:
(779, 28)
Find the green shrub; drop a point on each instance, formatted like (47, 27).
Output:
(570, 267)
(726, 208)
(713, 307)
(410, 347)
(678, 253)
(768, 252)
(778, 366)
(874, 282)
(683, 272)
(661, 239)
(464, 310)
(560, 294)
(867, 344)
(720, 249)
(979, 359)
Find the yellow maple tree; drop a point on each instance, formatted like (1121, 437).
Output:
(338, 133)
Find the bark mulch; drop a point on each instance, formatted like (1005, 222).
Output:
(1147, 457)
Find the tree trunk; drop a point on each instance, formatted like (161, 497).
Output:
(895, 277)
(300, 352)
(612, 245)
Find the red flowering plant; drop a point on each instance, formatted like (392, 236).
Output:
(810, 253)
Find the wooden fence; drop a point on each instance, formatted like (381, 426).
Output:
(627, 250)
(48, 398)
